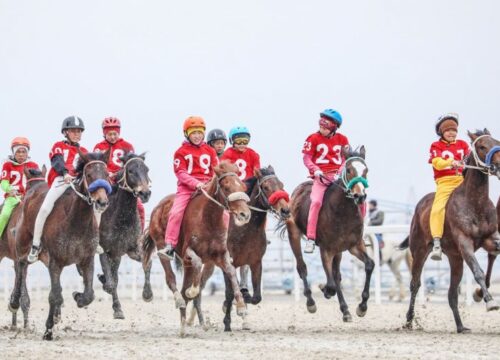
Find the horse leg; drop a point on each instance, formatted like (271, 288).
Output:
(15, 296)
(196, 266)
(360, 252)
(172, 283)
(206, 273)
(230, 271)
(478, 294)
(186, 283)
(456, 272)
(471, 261)
(117, 306)
(294, 235)
(394, 266)
(419, 257)
(244, 283)
(55, 297)
(85, 298)
(346, 315)
(25, 299)
(147, 292)
(228, 303)
(106, 279)
(329, 288)
(256, 282)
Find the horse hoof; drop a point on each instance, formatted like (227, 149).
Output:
(57, 319)
(246, 295)
(256, 300)
(245, 326)
(118, 315)
(347, 318)
(147, 296)
(464, 330)
(312, 308)
(48, 335)
(360, 312)
(492, 305)
(205, 327)
(192, 292)
(13, 309)
(101, 278)
(241, 310)
(477, 295)
(180, 303)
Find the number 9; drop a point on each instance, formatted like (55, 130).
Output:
(205, 163)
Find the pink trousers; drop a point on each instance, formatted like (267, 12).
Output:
(181, 201)
(317, 194)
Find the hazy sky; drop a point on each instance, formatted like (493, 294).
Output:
(389, 67)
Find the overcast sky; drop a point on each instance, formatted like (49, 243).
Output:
(389, 67)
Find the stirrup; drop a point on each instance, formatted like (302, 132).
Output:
(437, 252)
(167, 252)
(310, 245)
(33, 255)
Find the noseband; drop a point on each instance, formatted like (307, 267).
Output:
(264, 198)
(123, 183)
(93, 187)
(486, 167)
(343, 183)
(235, 196)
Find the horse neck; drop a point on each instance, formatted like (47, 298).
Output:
(80, 209)
(258, 217)
(211, 210)
(476, 185)
(337, 199)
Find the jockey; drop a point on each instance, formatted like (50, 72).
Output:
(117, 147)
(64, 158)
(193, 166)
(446, 156)
(217, 139)
(323, 158)
(246, 159)
(13, 180)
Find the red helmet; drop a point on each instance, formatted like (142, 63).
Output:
(20, 141)
(110, 122)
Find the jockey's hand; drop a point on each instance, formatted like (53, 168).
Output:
(68, 178)
(455, 164)
(13, 192)
(318, 173)
(199, 186)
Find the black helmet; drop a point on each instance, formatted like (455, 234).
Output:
(373, 202)
(72, 122)
(216, 134)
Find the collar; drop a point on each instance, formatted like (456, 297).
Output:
(446, 142)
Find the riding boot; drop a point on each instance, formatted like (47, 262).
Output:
(33, 255)
(436, 249)
(309, 248)
(168, 251)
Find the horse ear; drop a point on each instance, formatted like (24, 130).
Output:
(27, 171)
(346, 151)
(83, 156)
(44, 170)
(257, 173)
(106, 155)
(362, 151)
(486, 131)
(472, 136)
(143, 156)
(270, 169)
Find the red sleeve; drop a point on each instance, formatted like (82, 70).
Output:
(309, 145)
(83, 150)
(99, 147)
(435, 151)
(227, 155)
(32, 165)
(130, 148)
(256, 160)
(57, 149)
(180, 163)
(5, 171)
(466, 148)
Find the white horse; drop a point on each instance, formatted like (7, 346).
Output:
(392, 256)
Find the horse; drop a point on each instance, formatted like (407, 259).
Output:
(34, 179)
(393, 257)
(120, 228)
(471, 223)
(71, 232)
(247, 244)
(340, 228)
(203, 237)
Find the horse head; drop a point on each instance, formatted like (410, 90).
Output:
(232, 191)
(354, 173)
(486, 151)
(92, 178)
(271, 192)
(133, 177)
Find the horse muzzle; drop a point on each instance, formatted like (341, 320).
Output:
(100, 205)
(144, 195)
(242, 217)
(359, 198)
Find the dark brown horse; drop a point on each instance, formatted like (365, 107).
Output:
(247, 244)
(35, 178)
(70, 233)
(471, 223)
(120, 228)
(340, 228)
(203, 236)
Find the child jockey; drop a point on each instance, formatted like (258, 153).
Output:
(217, 139)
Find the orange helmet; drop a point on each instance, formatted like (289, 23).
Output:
(111, 122)
(193, 122)
(20, 141)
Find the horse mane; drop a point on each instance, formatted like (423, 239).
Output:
(35, 172)
(225, 166)
(250, 182)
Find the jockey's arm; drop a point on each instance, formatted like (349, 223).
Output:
(440, 164)
(5, 185)
(57, 162)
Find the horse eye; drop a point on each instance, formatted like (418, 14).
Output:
(482, 147)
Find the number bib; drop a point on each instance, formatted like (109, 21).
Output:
(325, 152)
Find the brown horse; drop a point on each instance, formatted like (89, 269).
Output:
(471, 223)
(35, 178)
(70, 233)
(203, 237)
(340, 228)
(247, 244)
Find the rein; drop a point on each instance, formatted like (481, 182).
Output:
(486, 167)
(265, 199)
(123, 183)
(35, 179)
(235, 196)
(346, 185)
(87, 198)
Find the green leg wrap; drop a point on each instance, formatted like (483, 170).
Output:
(8, 206)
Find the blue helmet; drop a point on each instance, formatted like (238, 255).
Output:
(238, 130)
(332, 115)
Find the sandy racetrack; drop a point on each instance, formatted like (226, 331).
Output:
(281, 329)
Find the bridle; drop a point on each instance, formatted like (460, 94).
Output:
(123, 183)
(264, 198)
(95, 185)
(343, 183)
(486, 167)
(235, 196)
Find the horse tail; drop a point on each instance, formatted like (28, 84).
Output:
(281, 229)
(178, 265)
(148, 246)
(405, 244)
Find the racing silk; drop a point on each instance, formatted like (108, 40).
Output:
(442, 153)
(324, 153)
(70, 156)
(246, 161)
(13, 174)
(194, 164)
(116, 151)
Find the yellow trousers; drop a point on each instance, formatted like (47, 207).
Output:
(445, 187)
